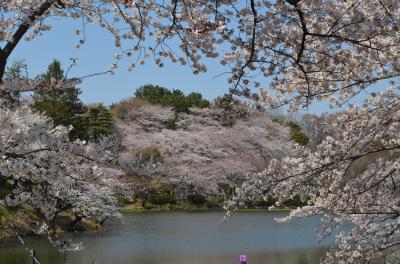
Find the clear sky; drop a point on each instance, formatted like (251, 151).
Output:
(96, 55)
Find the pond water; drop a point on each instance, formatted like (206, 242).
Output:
(184, 238)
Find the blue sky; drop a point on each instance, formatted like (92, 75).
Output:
(96, 55)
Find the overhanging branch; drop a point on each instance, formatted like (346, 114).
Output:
(17, 36)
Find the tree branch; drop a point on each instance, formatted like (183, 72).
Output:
(23, 155)
(22, 29)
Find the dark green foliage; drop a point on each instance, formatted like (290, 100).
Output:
(226, 189)
(175, 98)
(65, 108)
(211, 204)
(122, 201)
(16, 71)
(99, 122)
(197, 199)
(196, 99)
(171, 123)
(266, 203)
(294, 203)
(293, 126)
(62, 106)
(162, 198)
(301, 138)
(297, 134)
(271, 201)
(6, 188)
(151, 93)
(4, 213)
(178, 101)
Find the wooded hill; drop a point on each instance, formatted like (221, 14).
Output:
(205, 149)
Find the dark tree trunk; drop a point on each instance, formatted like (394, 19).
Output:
(102, 221)
(19, 33)
(3, 62)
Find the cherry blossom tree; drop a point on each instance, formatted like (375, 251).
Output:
(352, 176)
(296, 52)
(202, 151)
(343, 48)
(311, 49)
(43, 173)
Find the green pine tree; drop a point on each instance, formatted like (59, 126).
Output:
(175, 98)
(62, 106)
(99, 122)
(15, 72)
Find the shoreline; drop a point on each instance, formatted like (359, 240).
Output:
(133, 210)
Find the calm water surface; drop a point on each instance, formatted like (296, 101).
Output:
(184, 238)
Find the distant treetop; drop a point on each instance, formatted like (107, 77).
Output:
(175, 98)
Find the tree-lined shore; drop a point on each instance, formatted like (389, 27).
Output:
(162, 172)
(283, 53)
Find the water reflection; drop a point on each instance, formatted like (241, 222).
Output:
(181, 238)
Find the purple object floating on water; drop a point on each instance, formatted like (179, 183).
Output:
(243, 258)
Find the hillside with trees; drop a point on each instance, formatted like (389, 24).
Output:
(207, 149)
(80, 140)
(296, 53)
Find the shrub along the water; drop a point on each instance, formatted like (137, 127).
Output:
(197, 199)
(162, 198)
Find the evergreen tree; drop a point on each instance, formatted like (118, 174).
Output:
(175, 98)
(197, 100)
(152, 94)
(62, 106)
(297, 134)
(18, 70)
(99, 122)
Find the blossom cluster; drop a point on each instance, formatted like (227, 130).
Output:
(201, 152)
(352, 176)
(295, 51)
(42, 171)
